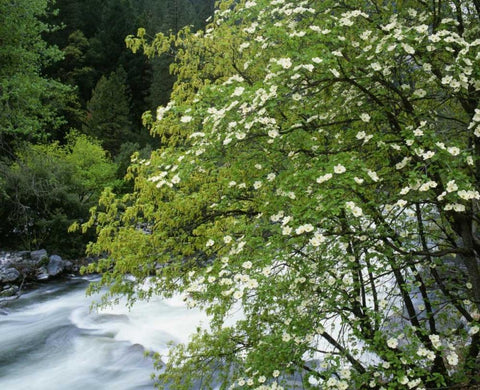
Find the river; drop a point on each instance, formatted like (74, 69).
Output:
(50, 340)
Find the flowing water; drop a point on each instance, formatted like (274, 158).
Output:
(50, 340)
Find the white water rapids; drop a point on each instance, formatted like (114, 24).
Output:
(50, 340)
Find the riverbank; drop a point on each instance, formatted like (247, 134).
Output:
(20, 270)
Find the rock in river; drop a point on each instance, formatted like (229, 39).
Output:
(8, 275)
(55, 266)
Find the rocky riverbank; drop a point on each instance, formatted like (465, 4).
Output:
(18, 269)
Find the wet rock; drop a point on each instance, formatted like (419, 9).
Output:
(21, 255)
(11, 258)
(109, 318)
(42, 273)
(68, 265)
(9, 275)
(55, 266)
(9, 291)
(39, 256)
(35, 266)
(136, 348)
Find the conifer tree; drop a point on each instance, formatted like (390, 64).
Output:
(108, 112)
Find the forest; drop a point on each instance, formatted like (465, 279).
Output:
(308, 176)
(71, 103)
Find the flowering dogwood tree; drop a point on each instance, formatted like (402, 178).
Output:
(319, 172)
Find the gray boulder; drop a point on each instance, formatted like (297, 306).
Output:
(42, 273)
(12, 258)
(39, 256)
(8, 275)
(68, 265)
(55, 265)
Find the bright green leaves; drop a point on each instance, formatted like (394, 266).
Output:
(50, 186)
(318, 167)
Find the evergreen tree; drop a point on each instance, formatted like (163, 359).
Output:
(177, 14)
(108, 112)
(107, 52)
(74, 69)
(69, 16)
(92, 38)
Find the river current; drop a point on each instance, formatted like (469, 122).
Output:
(51, 340)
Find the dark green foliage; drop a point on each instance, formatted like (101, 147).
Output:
(30, 103)
(47, 189)
(74, 69)
(177, 14)
(123, 161)
(162, 82)
(92, 39)
(163, 16)
(108, 112)
(204, 9)
(64, 65)
(170, 15)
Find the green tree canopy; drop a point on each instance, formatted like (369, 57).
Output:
(47, 188)
(320, 173)
(29, 102)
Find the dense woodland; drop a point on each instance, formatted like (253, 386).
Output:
(71, 103)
